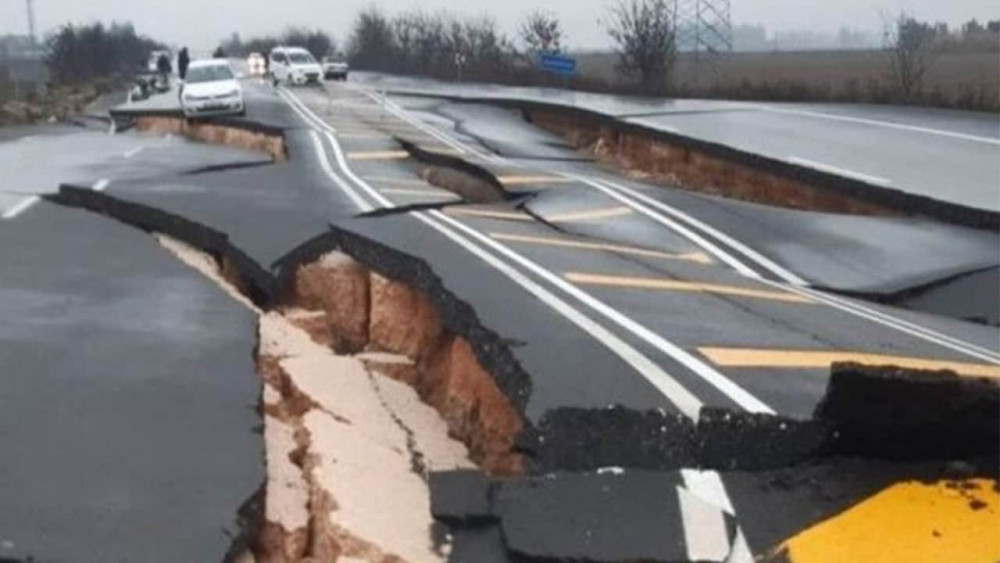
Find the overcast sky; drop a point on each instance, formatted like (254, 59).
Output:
(201, 23)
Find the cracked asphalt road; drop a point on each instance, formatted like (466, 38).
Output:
(610, 291)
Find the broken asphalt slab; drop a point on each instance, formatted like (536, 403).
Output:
(128, 414)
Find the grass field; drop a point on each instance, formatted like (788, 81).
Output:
(960, 79)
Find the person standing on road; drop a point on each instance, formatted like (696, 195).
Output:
(183, 60)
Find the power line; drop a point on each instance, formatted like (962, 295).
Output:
(703, 26)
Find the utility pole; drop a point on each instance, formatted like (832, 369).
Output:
(31, 21)
(704, 29)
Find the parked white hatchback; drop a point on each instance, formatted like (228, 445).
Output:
(211, 88)
(294, 65)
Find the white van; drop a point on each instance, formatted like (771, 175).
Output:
(294, 65)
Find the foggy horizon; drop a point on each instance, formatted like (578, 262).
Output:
(202, 26)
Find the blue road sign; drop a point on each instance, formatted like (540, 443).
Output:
(558, 64)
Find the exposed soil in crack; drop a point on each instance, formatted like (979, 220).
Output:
(472, 183)
(676, 165)
(678, 161)
(336, 424)
(232, 133)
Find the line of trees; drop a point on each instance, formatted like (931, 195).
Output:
(444, 45)
(317, 42)
(83, 53)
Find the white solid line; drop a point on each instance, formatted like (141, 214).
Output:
(101, 185)
(132, 152)
(888, 124)
(705, 533)
(361, 204)
(796, 284)
(782, 273)
(725, 385)
(838, 171)
(694, 237)
(21, 206)
(708, 485)
(758, 258)
(685, 402)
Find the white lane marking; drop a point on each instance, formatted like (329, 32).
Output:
(694, 237)
(101, 185)
(888, 124)
(758, 258)
(324, 161)
(706, 536)
(707, 484)
(838, 171)
(725, 385)
(732, 390)
(741, 549)
(132, 152)
(676, 393)
(797, 285)
(21, 206)
(851, 308)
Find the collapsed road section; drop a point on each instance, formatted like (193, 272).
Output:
(360, 372)
(416, 406)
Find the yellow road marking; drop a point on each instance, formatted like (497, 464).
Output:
(589, 215)
(521, 180)
(488, 213)
(377, 155)
(380, 136)
(909, 521)
(396, 180)
(699, 257)
(422, 193)
(753, 357)
(675, 285)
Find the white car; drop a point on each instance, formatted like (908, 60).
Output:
(211, 88)
(257, 64)
(335, 69)
(294, 65)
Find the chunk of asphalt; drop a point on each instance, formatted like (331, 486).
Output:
(460, 497)
(730, 440)
(594, 517)
(575, 439)
(892, 413)
(478, 544)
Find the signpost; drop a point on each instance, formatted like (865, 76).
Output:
(557, 64)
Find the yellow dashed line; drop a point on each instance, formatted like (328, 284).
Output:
(421, 193)
(522, 180)
(675, 285)
(909, 521)
(378, 155)
(754, 357)
(488, 213)
(590, 215)
(619, 249)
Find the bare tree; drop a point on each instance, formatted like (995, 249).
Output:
(371, 44)
(912, 52)
(541, 33)
(645, 36)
